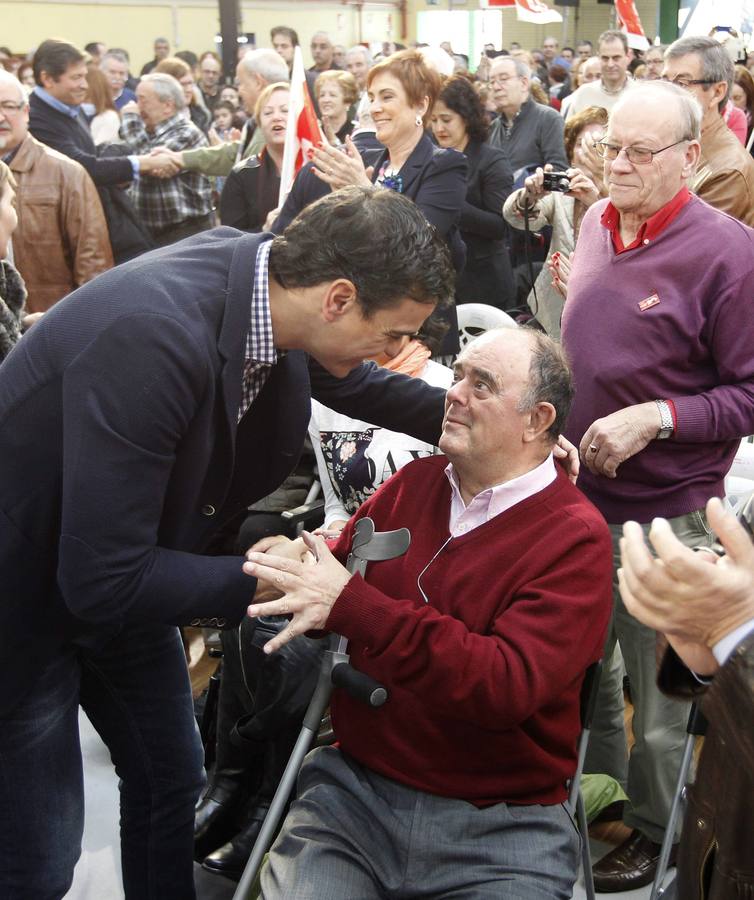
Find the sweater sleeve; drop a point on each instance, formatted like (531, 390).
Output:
(500, 678)
(726, 411)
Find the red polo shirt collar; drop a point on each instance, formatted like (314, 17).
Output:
(651, 229)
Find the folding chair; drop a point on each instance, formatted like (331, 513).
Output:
(588, 701)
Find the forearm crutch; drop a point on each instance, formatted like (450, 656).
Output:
(368, 546)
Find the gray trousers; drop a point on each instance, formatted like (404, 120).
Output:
(354, 835)
(659, 722)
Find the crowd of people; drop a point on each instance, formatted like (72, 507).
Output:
(602, 196)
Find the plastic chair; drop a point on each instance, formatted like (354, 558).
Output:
(474, 319)
(587, 703)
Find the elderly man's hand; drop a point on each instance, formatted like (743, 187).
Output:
(339, 167)
(309, 591)
(163, 165)
(615, 438)
(680, 594)
(281, 546)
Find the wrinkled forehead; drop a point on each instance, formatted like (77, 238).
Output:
(649, 121)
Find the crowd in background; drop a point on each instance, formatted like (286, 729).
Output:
(504, 158)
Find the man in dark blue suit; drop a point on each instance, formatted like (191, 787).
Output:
(142, 414)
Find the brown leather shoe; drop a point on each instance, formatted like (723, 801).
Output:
(630, 865)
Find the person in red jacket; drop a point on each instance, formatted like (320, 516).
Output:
(481, 633)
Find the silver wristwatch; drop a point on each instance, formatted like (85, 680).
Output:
(666, 418)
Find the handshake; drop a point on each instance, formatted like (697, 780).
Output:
(161, 163)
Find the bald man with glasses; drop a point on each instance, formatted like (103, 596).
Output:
(658, 329)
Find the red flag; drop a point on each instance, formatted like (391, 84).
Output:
(629, 21)
(535, 11)
(303, 132)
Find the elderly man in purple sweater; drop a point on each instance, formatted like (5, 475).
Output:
(660, 331)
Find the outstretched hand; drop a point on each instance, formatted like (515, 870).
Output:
(341, 166)
(308, 589)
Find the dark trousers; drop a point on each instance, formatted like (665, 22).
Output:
(137, 694)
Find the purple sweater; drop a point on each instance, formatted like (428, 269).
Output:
(695, 347)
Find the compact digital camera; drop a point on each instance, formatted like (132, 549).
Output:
(556, 181)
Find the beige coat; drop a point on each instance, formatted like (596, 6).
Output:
(556, 210)
(62, 239)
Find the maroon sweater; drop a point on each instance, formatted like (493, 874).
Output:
(484, 679)
(671, 320)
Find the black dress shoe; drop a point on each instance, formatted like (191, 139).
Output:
(230, 860)
(215, 818)
(630, 865)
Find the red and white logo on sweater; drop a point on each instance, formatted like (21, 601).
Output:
(648, 302)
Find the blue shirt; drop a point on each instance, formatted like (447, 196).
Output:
(73, 113)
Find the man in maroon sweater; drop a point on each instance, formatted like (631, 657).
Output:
(659, 330)
(481, 633)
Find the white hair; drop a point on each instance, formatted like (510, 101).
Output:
(360, 48)
(167, 88)
(7, 78)
(267, 64)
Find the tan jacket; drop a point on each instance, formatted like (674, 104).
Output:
(62, 240)
(725, 175)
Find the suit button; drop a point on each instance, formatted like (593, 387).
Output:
(208, 510)
(195, 623)
(221, 623)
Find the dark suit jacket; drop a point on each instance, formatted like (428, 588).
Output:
(108, 170)
(122, 455)
(71, 137)
(487, 277)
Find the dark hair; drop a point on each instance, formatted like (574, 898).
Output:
(550, 380)
(612, 34)
(459, 95)
(226, 105)
(93, 47)
(419, 80)
(55, 57)
(558, 73)
(286, 32)
(189, 57)
(376, 238)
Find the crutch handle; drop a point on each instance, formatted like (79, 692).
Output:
(359, 686)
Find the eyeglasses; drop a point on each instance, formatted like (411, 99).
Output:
(9, 107)
(503, 79)
(637, 156)
(686, 83)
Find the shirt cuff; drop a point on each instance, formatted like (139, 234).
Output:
(723, 648)
(134, 160)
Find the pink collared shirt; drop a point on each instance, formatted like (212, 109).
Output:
(494, 500)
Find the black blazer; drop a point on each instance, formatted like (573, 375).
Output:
(488, 276)
(250, 193)
(72, 138)
(122, 454)
(435, 179)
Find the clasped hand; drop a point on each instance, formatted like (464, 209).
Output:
(308, 586)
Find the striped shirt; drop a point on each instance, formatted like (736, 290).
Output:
(260, 353)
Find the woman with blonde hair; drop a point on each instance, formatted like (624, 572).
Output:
(252, 189)
(336, 94)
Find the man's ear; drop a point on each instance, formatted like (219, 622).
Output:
(46, 79)
(539, 418)
(338, 298)
(717, 92)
